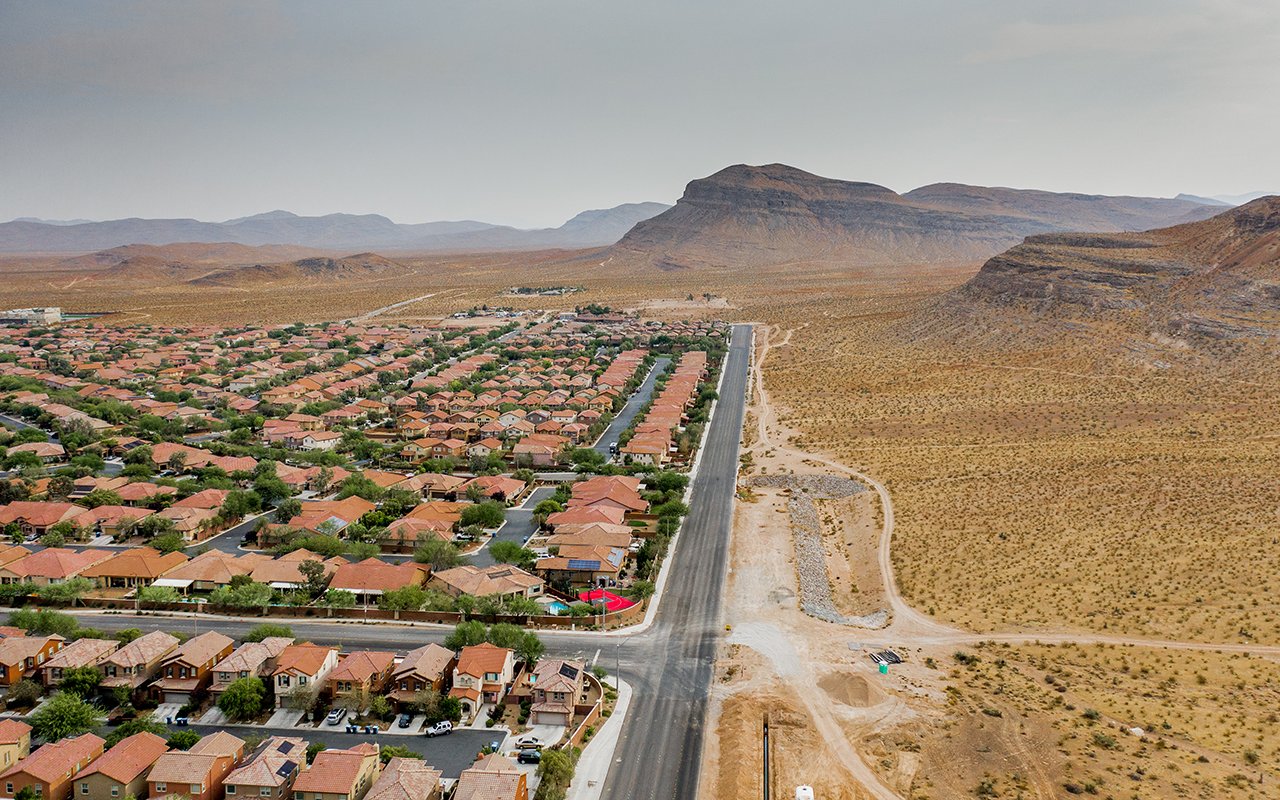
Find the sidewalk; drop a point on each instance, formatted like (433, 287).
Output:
(594, 763)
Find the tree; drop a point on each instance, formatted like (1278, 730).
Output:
(555, 770)
(474, 493)
(352, 700)
(178, 461)
(360, 551)
(243, 698)
(338, 598)
(406, 598)
(441, 555)
(63, 716)
(26, 793)
(316, 574)
(24, 694)
(314, 749)
(513, 553)
(641, 591)
(427, 701)
(504, 634)
(238, 504)
(546, 508)
(53, 538)
(60, 487)
(43, 621)
(380, 707)
(530, 648)
(126, 635)
(322, 480)
(158, 594)
(267, 630)
(184, 740)
(169, 542)
(451, 708)
(486, 515)
(288, 509)
(302, 698)
(81, 681)
(144, 723)
(466, 634)
(250, 595)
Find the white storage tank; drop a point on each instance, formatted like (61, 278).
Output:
(804, 793)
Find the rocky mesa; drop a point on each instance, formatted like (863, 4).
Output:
(747, 216)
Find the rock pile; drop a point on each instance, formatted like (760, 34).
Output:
(806, 529)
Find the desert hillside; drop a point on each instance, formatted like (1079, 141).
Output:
(745, 216)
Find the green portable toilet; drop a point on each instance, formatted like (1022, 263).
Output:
(884, 668)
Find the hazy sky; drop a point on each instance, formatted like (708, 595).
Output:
(527, 111)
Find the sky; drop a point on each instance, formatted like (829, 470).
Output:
(525, 112)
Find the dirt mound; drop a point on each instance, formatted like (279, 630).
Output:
(852, 690)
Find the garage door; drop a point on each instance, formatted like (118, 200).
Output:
(180, 698)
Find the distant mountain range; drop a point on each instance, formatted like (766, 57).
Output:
(746, 216)
(332, 232)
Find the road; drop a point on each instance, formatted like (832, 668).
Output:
(661, 741)
(519, 527)
(623, 421)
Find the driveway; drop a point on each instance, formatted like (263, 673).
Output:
(518, 527)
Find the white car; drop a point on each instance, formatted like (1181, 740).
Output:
(440, 729)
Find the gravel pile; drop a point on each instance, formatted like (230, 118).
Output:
(806, 528)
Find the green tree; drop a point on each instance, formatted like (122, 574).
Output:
(466, 634)
(43, 621)
(158, 594)
(126, 635)
(81, 681)
(184, 740)
(24, 694)
(144, 723)
(250, 595)
(406, 598)
(314, 749)
(287, 510)
(60, 487)
(243, 698)
(451, 709)
(427, 701)
(360, 551)
(546, 508)
(555, 770)
(238, 504)
(506, 635)
(267, 630)
(169, 542)
(338, 598)
(380, 707)
(63, 716)
(441, 555)
(53, 538)
(513, 553)
(641, 591)
(530, 648)
(26, 793)
(316, 574)
(486, 515)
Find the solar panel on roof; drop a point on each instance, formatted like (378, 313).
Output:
(569, 672)
(286, 747)
(575, 563)
(286, 769)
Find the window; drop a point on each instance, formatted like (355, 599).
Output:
(8, 788)
(231, 789)
(115, 789)
(161, 786)
(224, 676)
(197, 788)
(302, 680)
(265, 791)
(284, 680)
(244, 673)
(39, 789)
(84, 788)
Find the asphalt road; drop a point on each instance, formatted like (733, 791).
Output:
(520, 526)
(623, 421)
(661, 741)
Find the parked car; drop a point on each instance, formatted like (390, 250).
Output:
(529, 756)
(529, 743)
(440, 729)
(335, 716)
(405, 719)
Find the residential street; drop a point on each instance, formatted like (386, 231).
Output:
(623, 420)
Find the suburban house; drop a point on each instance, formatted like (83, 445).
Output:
(577, 566)
(499, 579)
(302, 668)
(249, 660)
(283, 573)
(15, 741)
(270, 771)
(21, 656)
(556, 688)
(406, 779)
(210, 570)
(121, 771)
(371, 577)
(138, 661)
(199, 772)
(424, 668)
(189, 668)
(80, 653)
(48, 770)
(482, 675)
(492, 778)
(336, 774)
(132, 568)
(363, 672)
(51, 565)
(36, 518)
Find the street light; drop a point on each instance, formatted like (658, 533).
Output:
(617, 659)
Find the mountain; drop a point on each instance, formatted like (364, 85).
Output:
(53, 221)
(745, 216)
(1241, 199)
(331, 232)
(1217, 278)
(363, 268)
(1204, 201)
(194, 253)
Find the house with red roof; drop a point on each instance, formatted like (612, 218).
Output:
(122, 770)
(51, 565)
(482, 675)
(48, 771)
(362, 674)
(335, 774)
(368, 579)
